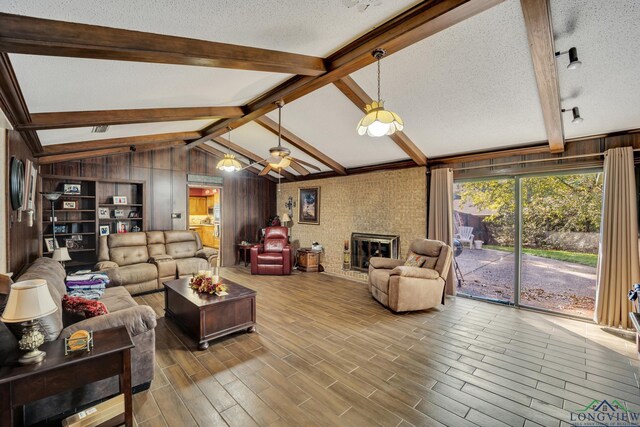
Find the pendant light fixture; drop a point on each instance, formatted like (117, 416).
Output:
(378, 121)
(229, 163)
(279, 158)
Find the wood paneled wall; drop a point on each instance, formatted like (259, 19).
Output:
(22, 242)
(247, 200)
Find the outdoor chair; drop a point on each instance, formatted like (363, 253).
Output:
(465, 234)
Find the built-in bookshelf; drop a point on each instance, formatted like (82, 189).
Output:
(88, 207)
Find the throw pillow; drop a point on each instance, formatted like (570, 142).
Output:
(415, 260)
(79, 305)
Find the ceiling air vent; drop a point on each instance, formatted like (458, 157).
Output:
(100, 129)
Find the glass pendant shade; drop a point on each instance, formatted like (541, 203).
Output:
(229, 163)
(278, 162)
(378, 121)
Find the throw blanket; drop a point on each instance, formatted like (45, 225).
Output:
(90, 285)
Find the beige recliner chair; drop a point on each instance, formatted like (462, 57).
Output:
(403, 288)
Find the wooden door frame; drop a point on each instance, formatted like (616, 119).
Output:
(220, 189)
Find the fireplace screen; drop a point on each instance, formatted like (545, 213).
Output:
(364, 246)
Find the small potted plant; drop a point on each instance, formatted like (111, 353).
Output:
(634, 296)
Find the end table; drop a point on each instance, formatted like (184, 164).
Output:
(308, 260)
(245, 250)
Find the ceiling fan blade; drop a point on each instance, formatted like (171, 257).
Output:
(307, 164)
(266, 170)
(254, 164)
(298, 168)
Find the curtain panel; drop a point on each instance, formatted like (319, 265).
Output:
(441, 215)
(618, 263)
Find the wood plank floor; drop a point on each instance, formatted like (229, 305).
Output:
(325, 353)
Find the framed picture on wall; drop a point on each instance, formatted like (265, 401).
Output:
(309, 203)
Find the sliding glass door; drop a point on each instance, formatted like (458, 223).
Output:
(560, 238)
(484, 230)
(530, 240)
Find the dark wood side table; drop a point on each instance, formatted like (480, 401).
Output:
(246, 253)
(22, 384)
(308, 260)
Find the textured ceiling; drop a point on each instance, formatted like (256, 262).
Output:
(468, 88)
(316, 27)
(327, 120)
(606, 88)
(60, 136)
(71, 84)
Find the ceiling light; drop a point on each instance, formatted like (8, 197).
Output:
(574, 62)
(378, 121)
(229, 163)
(576, 115)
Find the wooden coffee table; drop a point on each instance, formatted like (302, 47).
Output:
(206, 317)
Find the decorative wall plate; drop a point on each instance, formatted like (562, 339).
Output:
(16, 183)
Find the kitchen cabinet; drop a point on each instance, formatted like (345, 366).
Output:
(207, 236)
(198, 206)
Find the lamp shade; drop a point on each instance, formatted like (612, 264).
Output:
(28, 300)
(378, 121)
(229, 163)
(61, 255)
(286, 217)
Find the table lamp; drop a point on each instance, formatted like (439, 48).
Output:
(61, 255)
(28, 301)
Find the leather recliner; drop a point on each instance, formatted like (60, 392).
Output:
(275, 255)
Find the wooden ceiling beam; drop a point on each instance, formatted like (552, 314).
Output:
(250, 155)
(421, 21)
(360, 99)
(57, 158)
(74, 119)
(219, 154)
(537, 18)
(37, 36)
(301, 144)
(126, 142)
(13, 104)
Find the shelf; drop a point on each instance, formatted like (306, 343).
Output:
(73, 250)
(85, 221)
(73, 196)
(69, 210)
(131, 205)
(70, 234)
(120, 219)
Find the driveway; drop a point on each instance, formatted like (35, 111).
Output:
(546, 283)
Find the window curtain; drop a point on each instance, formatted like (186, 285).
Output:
(441, 215)
(618, 264)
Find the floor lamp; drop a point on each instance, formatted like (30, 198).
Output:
(59, 254)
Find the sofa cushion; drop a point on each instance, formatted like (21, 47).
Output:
(155, 243)
(189, 266)
(117, 299)
(128, 248)
(182, 249)
(136, 273)
(270, 258)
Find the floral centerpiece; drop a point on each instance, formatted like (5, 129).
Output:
(206, 284)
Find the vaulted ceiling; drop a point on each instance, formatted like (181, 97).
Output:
(465, 75)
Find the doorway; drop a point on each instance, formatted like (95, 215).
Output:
(530, 240)
(205, 215)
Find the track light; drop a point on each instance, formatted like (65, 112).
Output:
(576, 115)
(574, 62)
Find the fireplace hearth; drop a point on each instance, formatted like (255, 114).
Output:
(364, 246)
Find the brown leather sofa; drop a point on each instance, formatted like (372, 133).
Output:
(275, 255)
(142, 261)
(403, 288)
(140, 321)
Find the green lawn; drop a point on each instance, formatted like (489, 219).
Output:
(590, 260)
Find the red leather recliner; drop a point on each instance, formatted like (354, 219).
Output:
(275, 255)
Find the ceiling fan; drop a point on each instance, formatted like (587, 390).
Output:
(280, 157)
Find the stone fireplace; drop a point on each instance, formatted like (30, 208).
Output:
(365, 245)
